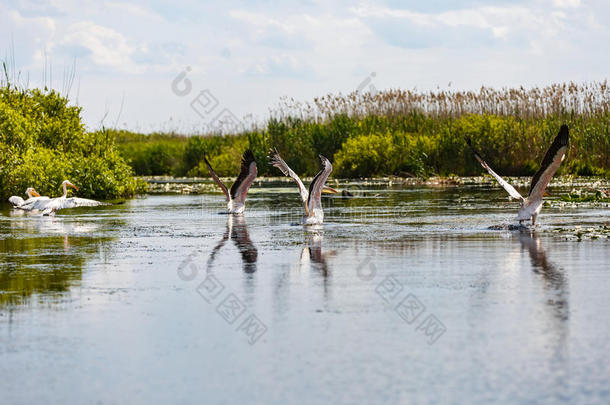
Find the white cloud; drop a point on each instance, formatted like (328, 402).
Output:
(271, 32)
(103, 46)
(250, 54)
(133, 9)
(281, 66)
(566, 3)
(468, 27)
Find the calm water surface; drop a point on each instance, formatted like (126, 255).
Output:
(402, 296)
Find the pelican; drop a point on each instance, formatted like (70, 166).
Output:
(51, 206)
(32, 194)
(532, 204)
(312, 199)
(236, 198)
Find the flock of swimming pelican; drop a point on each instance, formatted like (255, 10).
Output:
(312, 197)
(49, 206)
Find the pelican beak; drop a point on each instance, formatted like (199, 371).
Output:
(73, 186)
(329, 190)
(547, 194)
(34, 193)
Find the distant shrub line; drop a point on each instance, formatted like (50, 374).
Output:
(396, 132)
(401, 133)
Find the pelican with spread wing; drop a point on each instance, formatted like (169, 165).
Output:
(50, 206)
(312, 198)
(32, 194)
(236, 197)
(532, 204)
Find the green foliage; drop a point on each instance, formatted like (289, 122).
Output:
(292, 138)
(413, 145)
(406, 133)
(225, 161)
(258, 142)
(154, 158)
(43, 142)
(366, 156)
(384, 154)
(327, 140)
(220, 149)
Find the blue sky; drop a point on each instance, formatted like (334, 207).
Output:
(248, 54)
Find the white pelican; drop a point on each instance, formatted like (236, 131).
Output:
(312, 199)
(532, 204)
(50, 206)
(236, 198)
(32, 194)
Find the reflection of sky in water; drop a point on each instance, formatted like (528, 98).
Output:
(522, 310)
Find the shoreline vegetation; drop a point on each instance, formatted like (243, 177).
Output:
(400, 133)
(43, 142)
(392, 133)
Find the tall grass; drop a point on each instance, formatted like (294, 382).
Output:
(587, 99)
(410, 133)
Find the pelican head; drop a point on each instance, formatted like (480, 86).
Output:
(65, 184)
(31, 192)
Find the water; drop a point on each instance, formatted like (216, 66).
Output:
(402, 296)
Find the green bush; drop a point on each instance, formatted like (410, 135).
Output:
(43, 142)
(226, 163)
(366, 156)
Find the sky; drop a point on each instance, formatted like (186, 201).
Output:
(191, 65)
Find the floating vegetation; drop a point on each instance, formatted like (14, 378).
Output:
(589, 194)
(202, 185)
(580, 233)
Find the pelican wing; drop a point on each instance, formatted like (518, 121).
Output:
(277, 161)
(315, 188)
(216, 179)
(510, 189)
(74, 202)
(35, 204)
(248, 172)
(60, 203)
(31, 200)
(16, 201)
(553, 158)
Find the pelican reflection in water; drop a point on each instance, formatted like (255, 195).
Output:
(312, 253)
(238, 233)
(554, 279)
(554, 323)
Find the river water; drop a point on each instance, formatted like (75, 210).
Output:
(403, 296)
